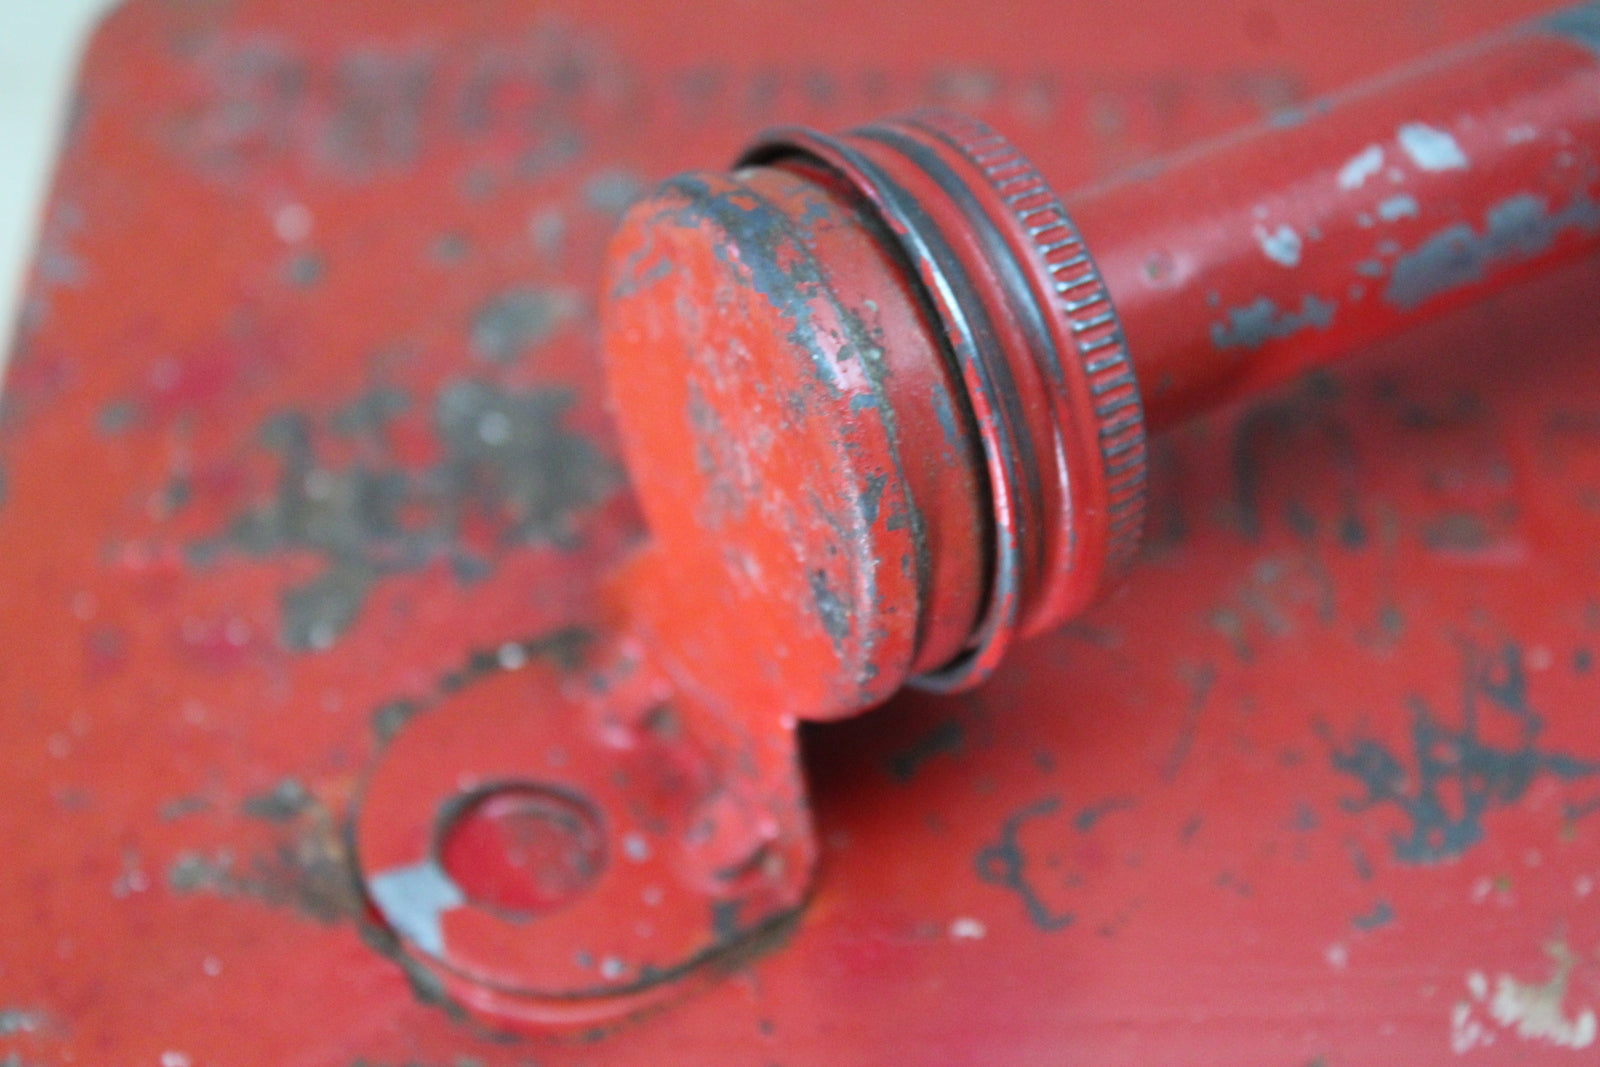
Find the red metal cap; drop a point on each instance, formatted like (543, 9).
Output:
(799, 445)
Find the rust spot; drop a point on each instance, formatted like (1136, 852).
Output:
(309, 870)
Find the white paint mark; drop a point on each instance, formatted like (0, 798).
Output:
(494, 428)
(968, 929)
(319, 484)
(1535, 1012)
(1281, 245)
(414, 899)
(1583, 885)
(1338, 956)
(174, 1058)
(1366, 163)
(293, 222)
(635, 847)
(132, 880)
(1395, 208)
(1540, 658)
(1431, 149)
(511, 656)
(1521, 134)
(1466, 1032)
(1532, 1011)
(211, 966)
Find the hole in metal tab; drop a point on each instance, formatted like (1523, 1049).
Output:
(522, 850)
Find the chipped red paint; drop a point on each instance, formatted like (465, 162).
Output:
(314, 530)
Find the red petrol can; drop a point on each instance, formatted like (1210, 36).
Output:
(335, 704)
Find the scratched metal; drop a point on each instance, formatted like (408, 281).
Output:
(304, 433)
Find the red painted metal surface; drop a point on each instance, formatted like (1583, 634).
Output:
(1469, 169)
(305, 452)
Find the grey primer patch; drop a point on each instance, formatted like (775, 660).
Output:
(1403, 206)
(612, 191)
(1253, 325)
(1270, 434)
(507, 466)
(1580, 23)
(1088, 818)
(1366, 163)
(413, 898)
(1452, 776)
(305, 270)
(1382, 914)
(283, 803)
(117, 417)
(946, 739)
(1285, 118)
(725, 924)
(1282, 245)
(20, 1021)
(1005, 864)
(1516, 229)
(514, 322)
(377, 125)
(309, 870)
(1430, 149)
(831, 610)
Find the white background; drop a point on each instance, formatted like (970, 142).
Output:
(39, 45)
